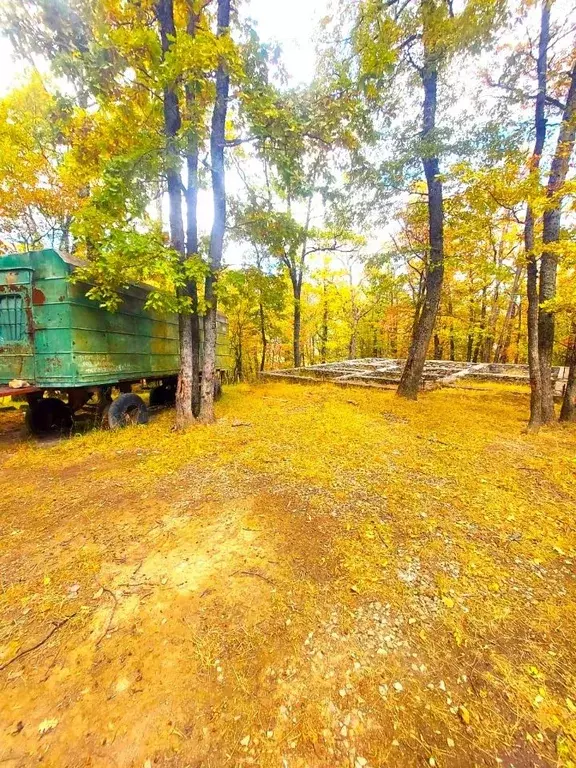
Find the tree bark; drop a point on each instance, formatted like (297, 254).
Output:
(217, 139)
(324, 332)
(262, 335)
(529, 245)
(172, 124)
(412, 373)
(297, 319)
(482, 329)
(509, 313)
(438, 349)
(568, 410)
(470, 340)
(551, 236)
(452, 340)
(192, 228)
(519, 332)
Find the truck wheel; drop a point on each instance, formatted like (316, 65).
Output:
(127, 409)
(48, 416)
(164, 394)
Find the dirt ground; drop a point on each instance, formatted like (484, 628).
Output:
(324, 578)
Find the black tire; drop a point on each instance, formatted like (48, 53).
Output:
(217, 389)
(49, 416)
(127, 409)
(164, 394)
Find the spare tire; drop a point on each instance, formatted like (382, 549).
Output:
(127, 409)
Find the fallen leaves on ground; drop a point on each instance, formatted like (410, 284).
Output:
(369, 582)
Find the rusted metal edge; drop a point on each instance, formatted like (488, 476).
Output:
(10, 391)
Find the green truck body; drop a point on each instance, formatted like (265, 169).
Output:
(54, 337)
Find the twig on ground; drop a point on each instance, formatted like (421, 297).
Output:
(110, 618)
(252, 573)
(433, 440)
(26, 651)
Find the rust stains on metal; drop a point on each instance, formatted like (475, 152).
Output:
(38, 297)
(53, 363)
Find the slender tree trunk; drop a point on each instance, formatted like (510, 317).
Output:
(508, 338)
(412, 373)
(418, 304)
(490, 336)
(551, 236)
(470, 341)
(262, 335)
(217, 142)
(172, 123)
(393, 337)
(297, 320)
(324, 333)
(482, 328)
(353, 343)
(296, 276)
(568, 410)
(529, 245)
(238, 362)
(532, 294)
(518, 332)
(192, 226)
(509, 312)
(452, 340)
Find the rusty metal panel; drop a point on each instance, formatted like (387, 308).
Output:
(71, 341)
(16, 324)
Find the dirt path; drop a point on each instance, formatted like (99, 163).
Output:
(324, 578)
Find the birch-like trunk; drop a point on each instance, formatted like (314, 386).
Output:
(173, 167)
(217, 142)
(529, 244)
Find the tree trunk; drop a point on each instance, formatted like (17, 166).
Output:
(519, 332)
(412, 373)
(297, 352)
(508, 338)
(509, 313)
(238, 363)
(217, 140)
(353, 344)
(532, 294)
(550, 236)
(296, 276)
(482, 328)
(470, 341)
(568, 410)
(531, 263)
(192, 228)
(437, 347)
(262, 335)
(324, 333)
(172, 123)
(452, 340)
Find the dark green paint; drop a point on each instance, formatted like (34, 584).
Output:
(73, 342)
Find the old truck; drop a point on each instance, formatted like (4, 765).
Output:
(60, 349)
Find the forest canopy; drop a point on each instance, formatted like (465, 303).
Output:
(413, 198)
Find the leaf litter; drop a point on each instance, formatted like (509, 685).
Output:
(394, 616)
